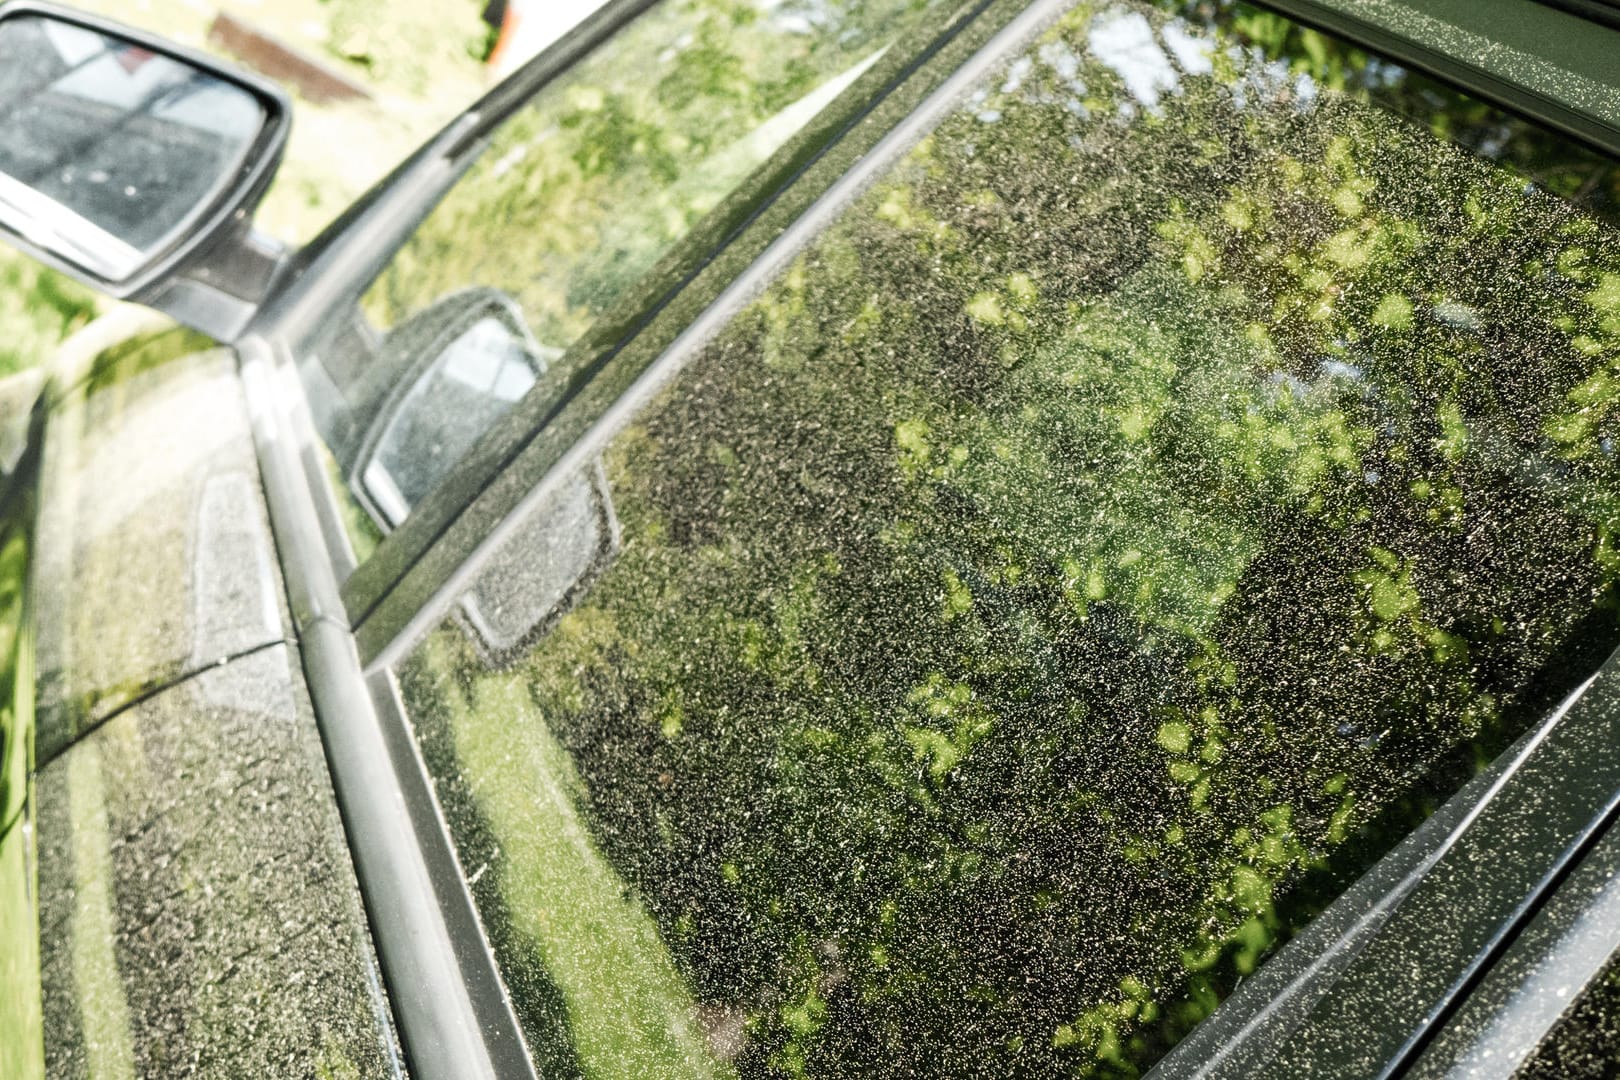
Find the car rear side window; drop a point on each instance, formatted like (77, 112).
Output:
(574, 200)
(1166, 481)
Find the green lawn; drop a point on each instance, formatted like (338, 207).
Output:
(628, 1010)
(21, 1022)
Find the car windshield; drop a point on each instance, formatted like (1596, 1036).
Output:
(1170, 477)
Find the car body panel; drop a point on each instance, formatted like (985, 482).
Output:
(198, 906)
(718, 446)
(433, 582)
(180, 774)
(198, 911)
(153, 552)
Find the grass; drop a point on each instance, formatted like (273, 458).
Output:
(630, 1013)
(21, 1023)
(21, 1015)
(38, 309)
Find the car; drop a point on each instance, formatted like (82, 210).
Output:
(829, 538)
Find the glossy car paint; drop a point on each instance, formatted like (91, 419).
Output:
(138, 770)
(198, 908)
(533, 463)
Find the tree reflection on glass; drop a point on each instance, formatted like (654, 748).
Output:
(1126, 522)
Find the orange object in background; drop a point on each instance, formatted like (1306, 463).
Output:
(503, 17)
(525, 27)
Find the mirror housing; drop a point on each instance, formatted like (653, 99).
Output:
(133, 164)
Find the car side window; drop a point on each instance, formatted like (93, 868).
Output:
(575, 198)
(1120, 524)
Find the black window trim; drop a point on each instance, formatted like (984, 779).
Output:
(1604, 12)
(1484, 865)
(1595, 128)
(1567, 950)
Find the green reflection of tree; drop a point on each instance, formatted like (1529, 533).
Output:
(1555, 161)
(1112, 534)
(580, 193)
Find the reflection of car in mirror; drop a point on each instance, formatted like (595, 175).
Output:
(450, 373)
(129, 145)
(843, 538)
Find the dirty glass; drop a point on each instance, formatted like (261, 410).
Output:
(107, 148)
(1163, 484)
(580, 193)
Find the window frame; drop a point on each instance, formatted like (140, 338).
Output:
(790, 176)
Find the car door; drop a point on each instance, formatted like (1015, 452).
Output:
(194, 884)
(966, 548)
(177, 889)
(449, 315)
(1118, 512)
(172, 826)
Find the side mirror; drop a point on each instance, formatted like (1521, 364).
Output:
(454, 369)
(133, 164)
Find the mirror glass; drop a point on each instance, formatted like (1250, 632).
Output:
(471, 383)
(107, 149)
